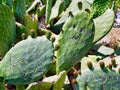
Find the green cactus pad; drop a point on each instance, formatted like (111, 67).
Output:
(103, 24)
(7, 29)
(100, 6)
(30, 23)
(27, 61)
(48, 10)
(75, 40)
(73, 7)
(57, 9)
(40, 86)
(60, 81)
(19, 8)
(97, 78)
(8, 2)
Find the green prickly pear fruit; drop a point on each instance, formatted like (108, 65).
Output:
(102, 64)
(53, 39)
(48, 34)
(57, 47)
(113, 63)
(24, 36)
(89, 64)
(110, 66)
(32, 33)
(80, 5)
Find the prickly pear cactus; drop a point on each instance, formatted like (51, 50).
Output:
(103, 24)
(8, 2)
(97, 76)
(20, 29)
(40, 86)
(7, 29)
(73, 7)
(19, 8)
(75, 40)
(100, 6)
(57, 9)
(27, 61)
(30, 23)
(49, 4)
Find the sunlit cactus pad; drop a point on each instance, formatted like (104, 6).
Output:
(27, 61)
(75, 40)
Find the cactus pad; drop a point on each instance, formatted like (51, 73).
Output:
(100, 6)
(100, 77)
(27, 61)
(7, 29)
(75, 40)
(19, 8)
(103, 24)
